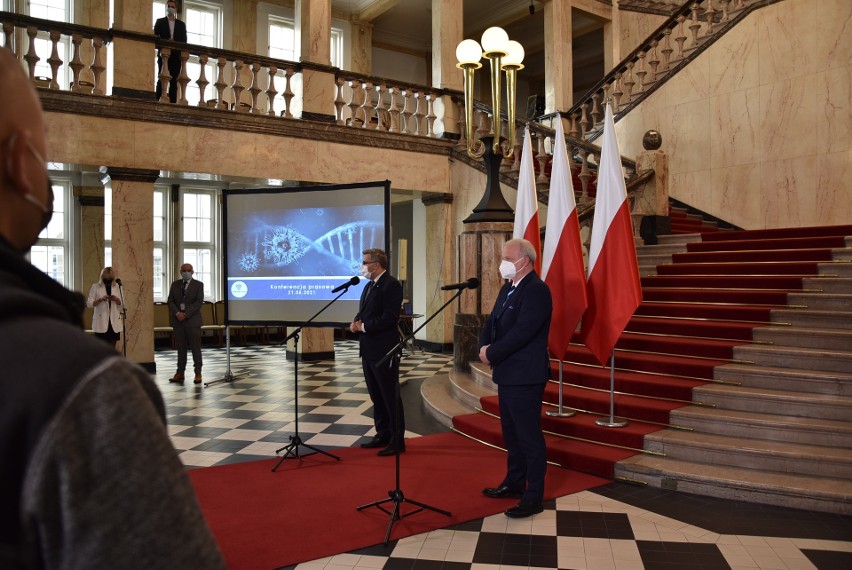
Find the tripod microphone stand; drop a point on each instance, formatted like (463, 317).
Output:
(292, 448)
(396, 496)
(229, 375)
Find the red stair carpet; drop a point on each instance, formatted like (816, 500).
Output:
(307, 509)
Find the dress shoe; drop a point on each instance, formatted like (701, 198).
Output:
(375, 442)
(391, 450)
(197, 379)
(177, 378)
(524, 509)
(501, 492)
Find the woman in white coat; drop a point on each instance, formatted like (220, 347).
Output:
(103, 298)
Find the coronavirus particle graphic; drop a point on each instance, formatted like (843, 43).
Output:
(249, 262)
(284, 246)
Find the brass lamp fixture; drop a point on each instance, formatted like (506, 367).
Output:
(503, 55)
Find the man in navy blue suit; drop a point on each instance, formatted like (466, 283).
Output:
(514, 343)
(376, 325)
(170, 28)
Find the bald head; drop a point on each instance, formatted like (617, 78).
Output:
(24, 187)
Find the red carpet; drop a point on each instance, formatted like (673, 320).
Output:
(307, 510)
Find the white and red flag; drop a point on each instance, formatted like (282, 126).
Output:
(526, 209)
(562, 267)
(613, 283)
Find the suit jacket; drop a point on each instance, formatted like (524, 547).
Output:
(192, 301)
(380, 314)
(161, 30)
(104, 312)
(517, 332)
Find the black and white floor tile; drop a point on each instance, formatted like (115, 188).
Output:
(615, 527)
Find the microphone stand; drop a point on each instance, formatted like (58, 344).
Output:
(123, 318)
(292, 448)
(229, 375)
(396, 496)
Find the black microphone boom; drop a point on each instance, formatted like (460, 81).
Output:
(118, 282)
(471, 283)
(354, 281)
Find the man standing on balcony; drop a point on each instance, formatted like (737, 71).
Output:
(170, 28)
(185, 299)
(89, 477)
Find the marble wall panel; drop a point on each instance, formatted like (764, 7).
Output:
(789, 118)
(734, 120)
(687, 129)
(787, 190)
(735, 63)
(833, 39)
(835, 109)
(786, 39)
(834, 171)
(736, 189)
(79, 139)
(692, 83)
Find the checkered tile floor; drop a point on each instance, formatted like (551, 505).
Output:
(617, 527)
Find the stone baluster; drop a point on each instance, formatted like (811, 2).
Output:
(542, 159)
(666, 49)
(287, 112)
(654, 62)
(680, 38)
(9, 33)
(419, 114)
(430, 115)
(597, 113)
(460, 113)
(709, 14)
(183, 77)
(339, 102)
(254, 87)
(616, 92)
(165, 76)
(641, 72)
(393, 110)
(367, 87)
(628, 83)
(379, 107)
(725, 15)
(483, 126)
(202, 79)
(32, 57)
(694, 25)
(220, 84)
(739, 5)
(574, 129)
(584, 120)
(98, 66)
(237, 86)
(76, 64)
(270, 90)
(54, 61)
(585, 175)
(353, 100)
(406, 113)
(516, 150)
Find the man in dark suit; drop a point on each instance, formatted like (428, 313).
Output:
(185, 298)
(514, 343)
(170, 28)
(376, 325)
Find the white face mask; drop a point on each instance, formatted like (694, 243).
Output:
(365, 273)
(171, 11)
(508, 269)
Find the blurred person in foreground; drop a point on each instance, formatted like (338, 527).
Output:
(89, 477)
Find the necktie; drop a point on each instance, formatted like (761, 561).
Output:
(185, 284)
(509, 294)
(367, 290)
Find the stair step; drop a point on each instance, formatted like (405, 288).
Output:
(775, 401)
(660, 249)
(822, 301)
(813, 318)
(808, 492)
(654, 259)
(828, 339)
(678, 238)
(468, 390)
(812, 431)
(752, 453)
(841, 285)
(832, 383)
(439, 401)
(836, 269)
(795, 357)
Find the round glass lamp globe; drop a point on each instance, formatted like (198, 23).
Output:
(495, 40)
(515, 55)
(468, 51)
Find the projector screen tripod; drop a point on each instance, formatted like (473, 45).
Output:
(292, 448)
(396, 496)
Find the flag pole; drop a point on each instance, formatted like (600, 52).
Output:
(560, 411)
(611, 421)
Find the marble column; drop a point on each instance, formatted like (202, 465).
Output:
(558, 56)
(612, 38)
(91, 200)
(447, 33)
(134, 60)
(362, 47)
(133, 256)
(480, 251)
(318, 85)
(314, 344)
(440, 262)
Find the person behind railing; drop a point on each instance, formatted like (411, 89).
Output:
(89, 476)
(170, 28)
(104, 299)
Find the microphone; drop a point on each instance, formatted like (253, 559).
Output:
(118, 282)
(354, 281)
(471, 283)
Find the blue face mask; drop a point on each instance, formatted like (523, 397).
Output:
(186, 275)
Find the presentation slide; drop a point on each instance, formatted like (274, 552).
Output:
(287, 248)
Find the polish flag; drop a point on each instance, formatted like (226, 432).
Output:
(613, 284)
(563, 269)
(526, 209)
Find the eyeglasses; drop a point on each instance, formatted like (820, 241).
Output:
(368, 262)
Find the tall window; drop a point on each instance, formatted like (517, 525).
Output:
(58, 11)
(198, 239)
(51, 253)
(282, 41)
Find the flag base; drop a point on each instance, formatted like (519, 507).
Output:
(611, 421)
(558, 414)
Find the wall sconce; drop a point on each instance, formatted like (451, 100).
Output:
(503, 55)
